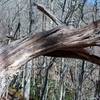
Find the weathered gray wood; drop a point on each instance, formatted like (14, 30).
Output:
(60, 41)
(44, 10)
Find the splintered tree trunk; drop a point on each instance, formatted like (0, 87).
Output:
(28, 82)
(57, 42)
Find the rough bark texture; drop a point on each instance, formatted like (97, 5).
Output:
(60, 42)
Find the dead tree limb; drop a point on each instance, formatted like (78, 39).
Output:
(57, 42)
(44, 10)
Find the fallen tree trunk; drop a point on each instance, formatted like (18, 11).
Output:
(58, 42)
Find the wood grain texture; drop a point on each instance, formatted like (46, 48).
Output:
(57, 42)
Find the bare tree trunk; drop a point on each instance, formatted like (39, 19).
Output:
(46, 79)
(28, 67)
(78, 94)
(97, 87)
(61, 79)
(28, 80)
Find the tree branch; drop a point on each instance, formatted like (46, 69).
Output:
(44, 10)
(60, 41)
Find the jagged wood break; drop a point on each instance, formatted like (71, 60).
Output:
(82, 43)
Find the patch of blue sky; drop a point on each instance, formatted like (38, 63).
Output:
(90, 1)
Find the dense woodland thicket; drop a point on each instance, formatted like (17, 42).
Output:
(49, 78)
